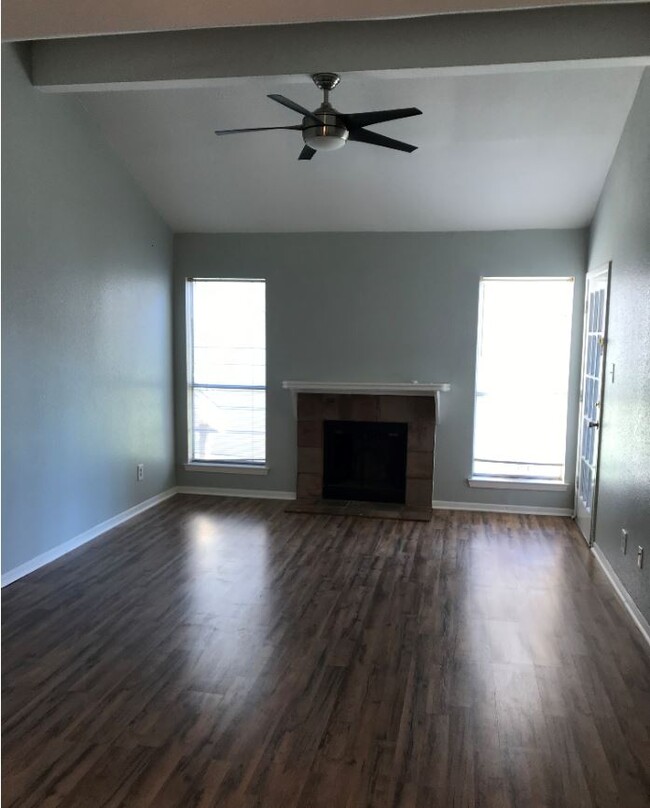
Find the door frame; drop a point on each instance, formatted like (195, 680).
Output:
(602, 270)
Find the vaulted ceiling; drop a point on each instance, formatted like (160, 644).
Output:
(522, 110)
(503, 150)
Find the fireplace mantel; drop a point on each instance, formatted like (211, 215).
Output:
(369, 389)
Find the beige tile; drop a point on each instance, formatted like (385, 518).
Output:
(310, 406)
(332, 407)
(419, 464)
(371, 510)
(418, 492)
(421, 436)
(421, 514)
(395, 408)
(359, 408)
(318, 506)
(309, 486)
(423, 407)
(310, 434)
(310, 460)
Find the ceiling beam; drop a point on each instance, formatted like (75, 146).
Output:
(44, 19)
(581, 34)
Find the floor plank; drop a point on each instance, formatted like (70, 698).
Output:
(222, 652)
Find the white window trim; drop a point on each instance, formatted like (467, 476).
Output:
(226, 468)
(525, 484)
(214, 466)
(520, 485)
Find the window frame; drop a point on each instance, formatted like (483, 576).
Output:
(521, 482)
(220, 465)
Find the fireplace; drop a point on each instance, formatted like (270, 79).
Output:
(364, 460)
(365, 449)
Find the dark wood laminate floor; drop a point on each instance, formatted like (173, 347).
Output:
(220, 652)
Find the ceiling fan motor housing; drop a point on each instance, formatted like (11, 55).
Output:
(331, 134)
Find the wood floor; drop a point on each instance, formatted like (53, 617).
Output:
(220, 652)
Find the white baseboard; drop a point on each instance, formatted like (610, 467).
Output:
(529, 510)
(88, 535)
(248, 493)
(630, 605)
(251, 493)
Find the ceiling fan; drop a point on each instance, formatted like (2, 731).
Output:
(326, 129)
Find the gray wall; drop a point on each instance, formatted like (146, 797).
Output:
(621, 233)
(86, 326)
(377, 307)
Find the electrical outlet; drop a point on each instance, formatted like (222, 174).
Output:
(639, 557)
(623, 541)
(140, 472)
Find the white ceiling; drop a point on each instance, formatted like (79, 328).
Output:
(506, 150)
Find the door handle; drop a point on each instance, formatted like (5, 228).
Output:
(593, 424)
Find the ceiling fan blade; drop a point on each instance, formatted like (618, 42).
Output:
(254, 129)
(356, 120)
(287, 102)
(363, 136)
(307, 153)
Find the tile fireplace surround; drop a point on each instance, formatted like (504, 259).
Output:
(415, 405)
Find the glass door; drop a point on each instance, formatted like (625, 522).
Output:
(591, 398)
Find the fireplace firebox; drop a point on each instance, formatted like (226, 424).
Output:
(365, 460)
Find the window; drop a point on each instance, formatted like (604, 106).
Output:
(522, 378)
(227, 371)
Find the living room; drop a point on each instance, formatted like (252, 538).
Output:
(138, 550)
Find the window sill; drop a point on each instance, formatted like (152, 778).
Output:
(517, 485)
(226, 468)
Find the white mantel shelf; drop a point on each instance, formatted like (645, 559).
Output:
(370, 389)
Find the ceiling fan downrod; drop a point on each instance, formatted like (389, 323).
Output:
(326, 82)
(327, 132)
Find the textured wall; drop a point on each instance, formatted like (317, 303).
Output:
(378, 307)
(86, 327)
(621, 233)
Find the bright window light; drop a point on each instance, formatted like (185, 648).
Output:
(522, 378)
(227, 371)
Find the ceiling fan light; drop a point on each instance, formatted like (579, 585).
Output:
(325, 142)
(325, 138)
